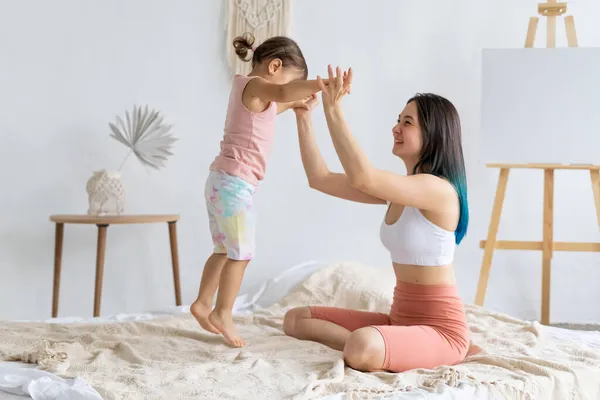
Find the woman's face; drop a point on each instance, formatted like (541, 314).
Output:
(408, 140)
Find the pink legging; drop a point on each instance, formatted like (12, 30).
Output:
(426, 326)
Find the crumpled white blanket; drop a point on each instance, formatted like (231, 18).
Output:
(171, 355)
(21, 379)
(41, 385)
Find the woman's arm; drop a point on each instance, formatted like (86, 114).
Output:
(319, 176)
(423, 191)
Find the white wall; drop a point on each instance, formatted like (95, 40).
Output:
(68, 67)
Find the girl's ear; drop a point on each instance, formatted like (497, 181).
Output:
(274, 66)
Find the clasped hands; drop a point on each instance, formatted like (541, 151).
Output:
(332, 91)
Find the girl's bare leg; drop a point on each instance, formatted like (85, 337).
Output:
(211, 274)
(229, 286)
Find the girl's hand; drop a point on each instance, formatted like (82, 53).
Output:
(305, 106)
(337, 86)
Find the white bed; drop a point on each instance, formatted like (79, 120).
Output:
(25, 379)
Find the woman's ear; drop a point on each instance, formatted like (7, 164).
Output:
(274, 66)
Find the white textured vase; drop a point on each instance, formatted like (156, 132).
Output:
(106, 193)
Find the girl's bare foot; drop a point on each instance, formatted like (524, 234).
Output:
(224, 323)
(206, 293)
(200, 311)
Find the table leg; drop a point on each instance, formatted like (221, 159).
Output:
(595, 176)
(490, 243)
(547, 244)
(100, 250)
(175, 260)
(58, 245)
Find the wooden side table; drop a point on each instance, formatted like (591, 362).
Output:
(103, 223)
(547, 246)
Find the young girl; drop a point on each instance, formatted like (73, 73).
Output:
(278, 82)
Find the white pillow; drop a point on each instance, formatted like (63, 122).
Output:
(345, 285)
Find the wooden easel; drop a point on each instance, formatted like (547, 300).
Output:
(547, 246)
(550, 10)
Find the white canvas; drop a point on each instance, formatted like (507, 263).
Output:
(541, 105)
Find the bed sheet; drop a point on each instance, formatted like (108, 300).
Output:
(24, 379)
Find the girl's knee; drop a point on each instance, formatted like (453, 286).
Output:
(292, 317)
(365, 350)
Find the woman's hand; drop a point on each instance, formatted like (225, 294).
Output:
(304, 107)
(336, 88)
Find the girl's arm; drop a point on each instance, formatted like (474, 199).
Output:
(282, 107)
(423, 191)
(319, 176)
(298, 104)
(286, 93)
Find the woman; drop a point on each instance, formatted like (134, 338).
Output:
(427, 216)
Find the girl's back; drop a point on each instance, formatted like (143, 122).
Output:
(248, 136)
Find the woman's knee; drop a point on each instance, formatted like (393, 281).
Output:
(365, 350)
(292, 317)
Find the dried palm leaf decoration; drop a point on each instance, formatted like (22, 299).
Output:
(145, 134)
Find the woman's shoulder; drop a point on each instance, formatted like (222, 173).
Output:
(441, 185)
(435, 180)
(446, 212)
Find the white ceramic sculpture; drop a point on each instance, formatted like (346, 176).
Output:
(106, 193)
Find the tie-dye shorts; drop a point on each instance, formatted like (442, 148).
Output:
(231, 215)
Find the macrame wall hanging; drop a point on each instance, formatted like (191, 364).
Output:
(262, 18)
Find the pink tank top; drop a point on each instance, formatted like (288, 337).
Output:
(248, 137)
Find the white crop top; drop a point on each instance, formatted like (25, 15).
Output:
(414, 240)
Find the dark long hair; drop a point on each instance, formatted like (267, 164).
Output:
(442, 153)
(281, 47)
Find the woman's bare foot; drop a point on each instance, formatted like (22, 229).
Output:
(200, 311)
(473, 349)
(224, 323)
